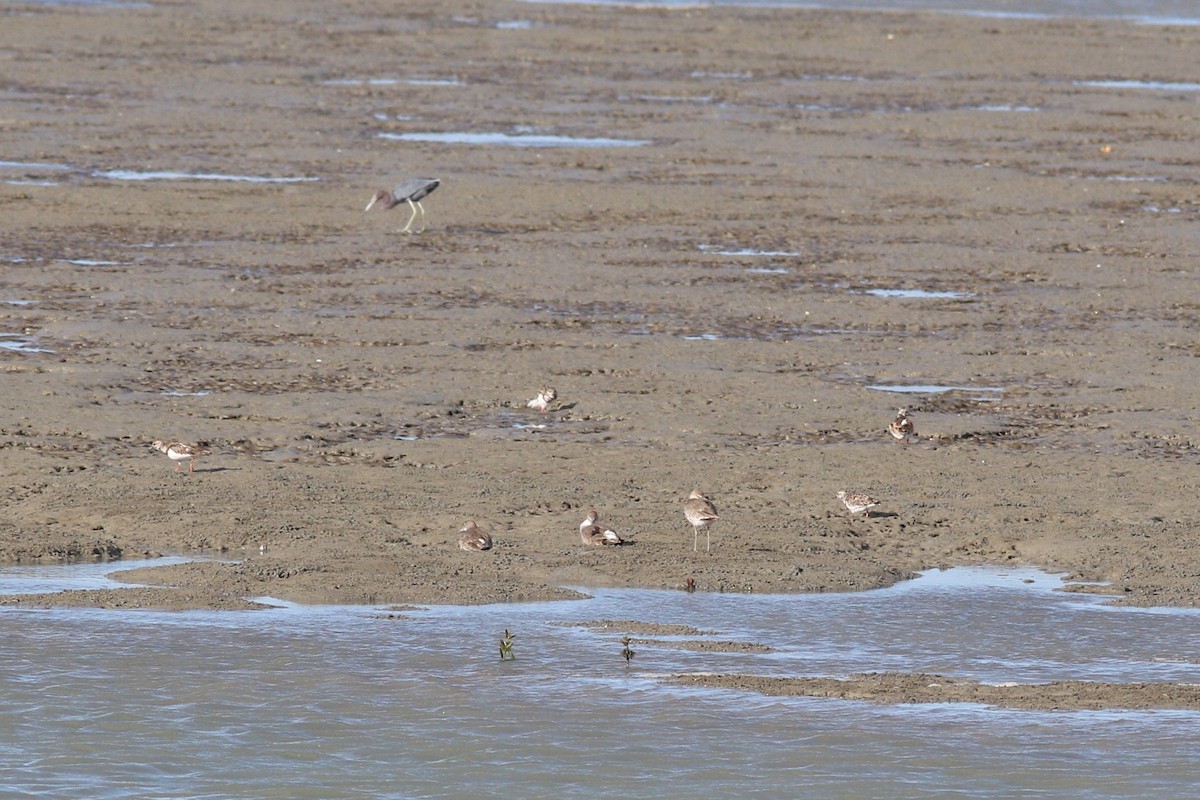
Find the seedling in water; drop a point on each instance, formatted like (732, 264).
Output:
(506, 653)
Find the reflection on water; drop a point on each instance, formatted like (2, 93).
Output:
(352, 701)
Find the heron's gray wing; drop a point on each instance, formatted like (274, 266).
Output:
(415, 189)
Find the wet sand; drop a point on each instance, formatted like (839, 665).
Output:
(702, 302)
(920, 688)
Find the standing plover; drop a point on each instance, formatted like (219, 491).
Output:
(471, 538)
(590, 532)
(543, 400)
(701, 513)
(856, 502)
(179, 452)
(901, 427)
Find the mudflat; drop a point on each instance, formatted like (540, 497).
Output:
(758, 218)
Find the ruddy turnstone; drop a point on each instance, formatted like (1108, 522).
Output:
(856, 502)
(411, 191)
(543, 400)
(471, 538)
(701, 513)
(179, 452)
(901, 427)
(592, 534)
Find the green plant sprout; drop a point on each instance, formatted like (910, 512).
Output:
(506, 653)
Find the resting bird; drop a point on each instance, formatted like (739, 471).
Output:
(412, 192)
(701, 513)
(901, 427)
(471, 538)
(543, 400)
(592, 534)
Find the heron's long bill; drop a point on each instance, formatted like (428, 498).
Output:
(368, 208)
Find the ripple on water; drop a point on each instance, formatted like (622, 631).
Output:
(357, 700)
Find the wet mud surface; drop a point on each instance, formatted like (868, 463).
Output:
(713, 303)
(921, 688)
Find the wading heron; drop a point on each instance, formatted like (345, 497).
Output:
(412, 192)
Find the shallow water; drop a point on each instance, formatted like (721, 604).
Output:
(1148, 12)
(1158, 86)
(18, 343)
(336, 702)
(512, 139)
(908, 294)
(135, 175)
(930, 388)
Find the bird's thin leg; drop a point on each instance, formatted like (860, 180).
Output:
(707, 540)
(408, 224)
(191, 465)
(422, 216)
(695, 540)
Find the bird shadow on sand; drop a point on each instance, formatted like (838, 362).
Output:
(207, 470)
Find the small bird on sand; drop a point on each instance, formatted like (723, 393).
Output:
(543, 400)
(901, 427)
(701, 513)
(180, 452)
(471, 538)
(411, 192)
(593, 535)
(856, 502)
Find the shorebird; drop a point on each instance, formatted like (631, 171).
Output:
(471, 538)
(179, 452)
(543, 400)
(901, 427)
(412, 192)
(701, 513)
(856, 502)
(592, 534)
